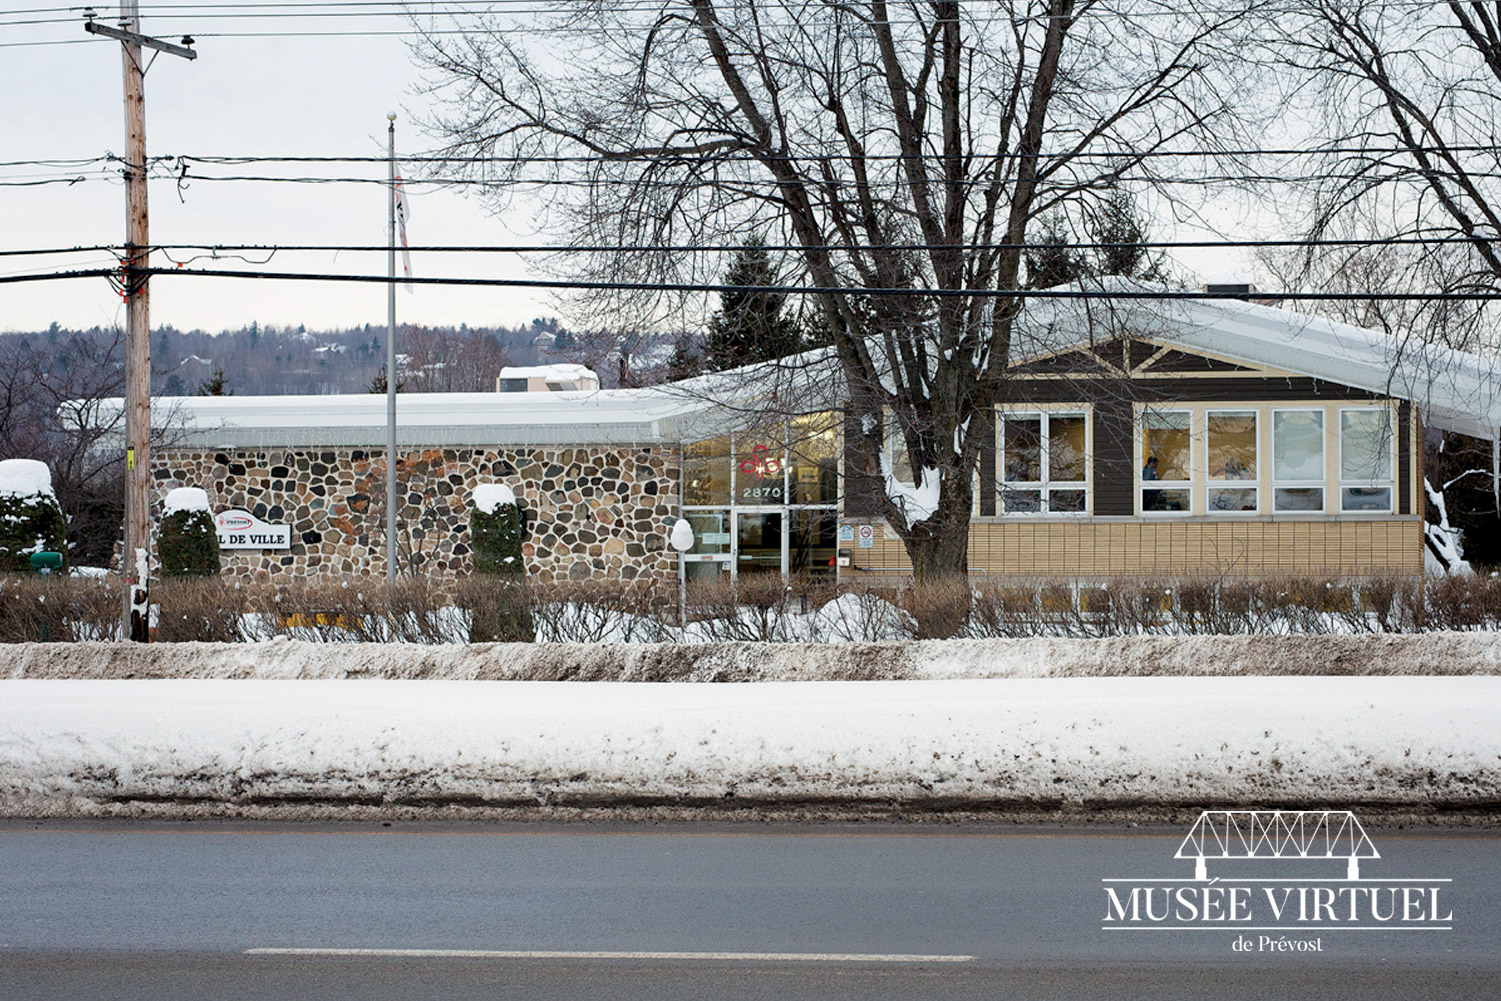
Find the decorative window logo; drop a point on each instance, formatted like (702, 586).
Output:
(1295, 894)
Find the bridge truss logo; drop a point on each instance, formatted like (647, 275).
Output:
(1277, 871)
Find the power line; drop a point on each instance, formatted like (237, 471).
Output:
(215, 249)
(228, 160)
(43, 251)
(484, 160)
(838, 247)
(1053, 293)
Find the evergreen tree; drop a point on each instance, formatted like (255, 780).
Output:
(1053, 261)
(685, 361)
(378, 384)
(749, 326)
(188, 544)
(215, 385)
(1118, 221)
(1118, 224)
(500, 614)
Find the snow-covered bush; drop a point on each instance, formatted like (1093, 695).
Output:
(30, 519)
(498, 614)
(862, 618)
(495, 531)
(187, 541)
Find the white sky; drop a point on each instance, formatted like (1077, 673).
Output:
(284, 96)
(246, 96)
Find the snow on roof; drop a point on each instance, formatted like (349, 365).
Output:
(25, 478)
(185, 499)
(1457, 391)
(560, 371)
(580, 417)
(489, 496)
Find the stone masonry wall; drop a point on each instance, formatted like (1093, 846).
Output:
(591, 511)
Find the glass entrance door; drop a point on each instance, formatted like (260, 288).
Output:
(710, 556)
(760, 542)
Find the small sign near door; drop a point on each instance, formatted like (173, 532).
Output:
(846, 533)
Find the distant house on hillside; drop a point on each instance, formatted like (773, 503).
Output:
(558, 378)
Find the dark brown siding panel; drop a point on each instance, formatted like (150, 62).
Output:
(1114, 481)
(1229, 389)
(1140, 351)
(1404, 458)
(986, 433)
(1182, 361)
(862, 498)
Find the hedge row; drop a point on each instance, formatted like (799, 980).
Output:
(61, 608)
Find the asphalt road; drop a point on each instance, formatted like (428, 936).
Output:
(131, 910)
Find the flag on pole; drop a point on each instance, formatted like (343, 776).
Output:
(402, 212)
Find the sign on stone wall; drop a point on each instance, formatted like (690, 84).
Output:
(242, 530)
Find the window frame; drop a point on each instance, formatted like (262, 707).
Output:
(1389, 484)
(1185, 486)
(1322, 483)
(1253, 484)
(1044, 486)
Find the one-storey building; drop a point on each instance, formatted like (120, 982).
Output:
(1138, 438)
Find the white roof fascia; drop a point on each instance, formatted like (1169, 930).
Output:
(610, 417)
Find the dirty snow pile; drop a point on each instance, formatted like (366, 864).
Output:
(1430, 654)
(89, 747)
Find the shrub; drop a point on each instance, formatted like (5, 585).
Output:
(495, 532)
(30, 519)
(604, 611)
(204, 609)
(187, 544)
(940, 607)
(498, 608)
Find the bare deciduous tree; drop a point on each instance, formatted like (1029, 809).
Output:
(903, 146)
(53, 392)
(440, 360)
(1405, 99)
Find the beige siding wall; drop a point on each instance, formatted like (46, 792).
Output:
(1110, 548)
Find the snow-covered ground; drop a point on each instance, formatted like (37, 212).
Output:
(87, 747)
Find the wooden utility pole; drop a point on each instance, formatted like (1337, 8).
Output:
(135, 556)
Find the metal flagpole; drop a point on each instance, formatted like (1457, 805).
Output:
(391, 361)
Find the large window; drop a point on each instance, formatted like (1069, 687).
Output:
(813, 459)
(1298, 461)
(1231, 485)
(1365, 460)
(1222, 459)
(764, 499)
(895, 442)
(1044, 463)
(1167, 461)
(706, 472)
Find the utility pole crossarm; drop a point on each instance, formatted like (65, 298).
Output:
(94, 28)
